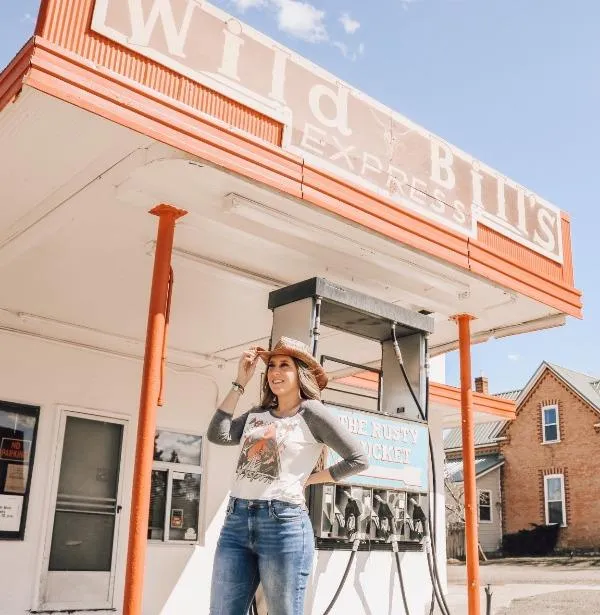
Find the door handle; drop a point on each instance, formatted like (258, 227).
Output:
(119, 508)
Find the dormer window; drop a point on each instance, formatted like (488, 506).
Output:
(550, 426)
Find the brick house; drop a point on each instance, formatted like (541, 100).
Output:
(551, 450)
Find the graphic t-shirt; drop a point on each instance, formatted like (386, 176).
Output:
(277, 455)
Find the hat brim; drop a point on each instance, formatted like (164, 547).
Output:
(313, 365)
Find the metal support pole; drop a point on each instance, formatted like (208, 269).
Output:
(150, 391)
(468, 454)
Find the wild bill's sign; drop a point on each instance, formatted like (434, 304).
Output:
(397, 450)
(330, 124)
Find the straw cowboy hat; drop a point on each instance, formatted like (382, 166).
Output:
(293, 348)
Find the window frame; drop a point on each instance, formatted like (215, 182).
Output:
(555, 408)
(547, 477)
(491, 519)
(170, 468)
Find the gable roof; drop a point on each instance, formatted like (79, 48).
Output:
(584, 385)
(587, 386)
(485, 435)
(483, 465)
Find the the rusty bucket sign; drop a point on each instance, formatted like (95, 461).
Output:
(330, 124)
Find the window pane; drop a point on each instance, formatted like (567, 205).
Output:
(158, 502)
(550, 433)
(484, 498)
(555, 513)
(554, 489)
(485, 513)
(549, 416)
(177, 448)
(185, 503)
(82, 541)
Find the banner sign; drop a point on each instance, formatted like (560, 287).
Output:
(330, 124)
(397, 450)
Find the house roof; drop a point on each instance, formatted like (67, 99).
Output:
(512, 395)
(587, 386)
(485, 435)
(483, 464)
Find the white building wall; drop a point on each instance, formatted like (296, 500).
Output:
(177, 579)
(490, 534)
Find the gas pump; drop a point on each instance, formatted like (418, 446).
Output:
(381, 508)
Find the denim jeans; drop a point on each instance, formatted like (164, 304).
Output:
(270, 542)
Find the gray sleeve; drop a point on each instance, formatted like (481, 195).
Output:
(224, 429)
(327, 429)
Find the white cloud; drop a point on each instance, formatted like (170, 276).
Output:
(27, 17)
(302, 20)
(349, 24)
(345, 51)
(342, 47)
(295, 17)
(514, 357)
(244, 5)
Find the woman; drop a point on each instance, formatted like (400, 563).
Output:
(267, 536)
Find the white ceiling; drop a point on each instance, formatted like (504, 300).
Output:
(76, 245)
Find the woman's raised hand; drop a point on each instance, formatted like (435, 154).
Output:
(247, 365)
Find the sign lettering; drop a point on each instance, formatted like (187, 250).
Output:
(397, 450)
(329, 123)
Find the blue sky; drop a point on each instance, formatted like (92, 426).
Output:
(514, 83)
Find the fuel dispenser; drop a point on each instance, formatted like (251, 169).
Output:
(383, 507)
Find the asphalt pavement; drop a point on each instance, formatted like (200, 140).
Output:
(531, 586)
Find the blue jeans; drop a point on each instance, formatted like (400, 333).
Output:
(270, 542)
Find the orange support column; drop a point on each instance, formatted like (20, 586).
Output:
(468, 453)
(151, 386)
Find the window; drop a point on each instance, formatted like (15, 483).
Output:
(485, 506)
(554, 496)
(550, 427)
(175, 487)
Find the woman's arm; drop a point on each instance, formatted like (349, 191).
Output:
(328, 430)
(223, 428)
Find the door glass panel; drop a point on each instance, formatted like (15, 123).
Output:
(84, 522)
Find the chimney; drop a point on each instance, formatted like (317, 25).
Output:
(481, 385)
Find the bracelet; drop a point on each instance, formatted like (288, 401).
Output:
(236, 386)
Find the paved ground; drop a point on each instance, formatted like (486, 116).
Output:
(548, 586)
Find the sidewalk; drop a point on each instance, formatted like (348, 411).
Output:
(504, 595)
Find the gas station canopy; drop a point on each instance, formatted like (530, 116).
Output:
(286, 173)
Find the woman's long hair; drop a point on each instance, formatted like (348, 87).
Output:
(309, 389)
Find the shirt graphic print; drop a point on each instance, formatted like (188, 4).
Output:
(259, 459)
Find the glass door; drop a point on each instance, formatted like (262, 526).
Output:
(80, 562)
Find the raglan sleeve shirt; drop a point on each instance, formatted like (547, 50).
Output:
(226, 430)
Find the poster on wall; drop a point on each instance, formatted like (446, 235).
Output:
(18, 431)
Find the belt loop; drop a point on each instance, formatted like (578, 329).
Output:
(231, 505)
(270, 508)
